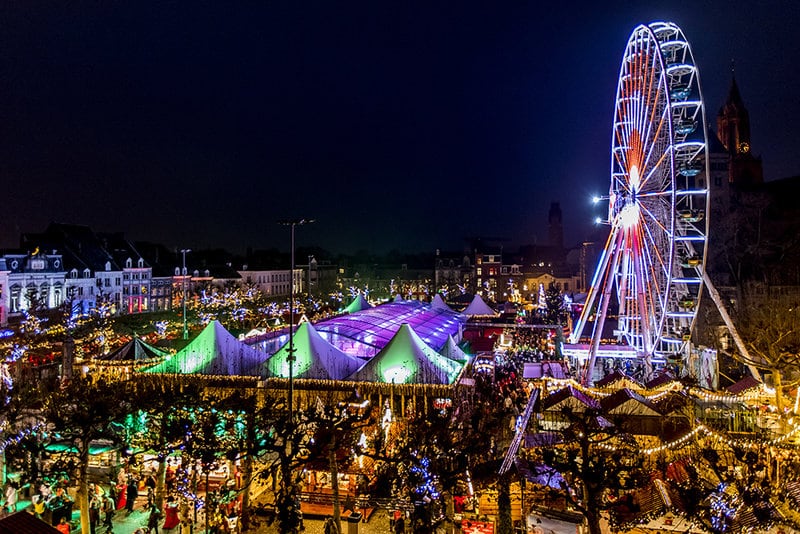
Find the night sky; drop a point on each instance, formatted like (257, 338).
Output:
(404, 125)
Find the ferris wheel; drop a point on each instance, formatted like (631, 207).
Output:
(658, 202)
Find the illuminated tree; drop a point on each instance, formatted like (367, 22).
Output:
(598, 461)
(770, 327)
(80, 412)
(162, 420)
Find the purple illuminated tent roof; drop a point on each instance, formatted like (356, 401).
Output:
(375, 327)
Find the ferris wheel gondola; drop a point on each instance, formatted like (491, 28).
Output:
(658, 202)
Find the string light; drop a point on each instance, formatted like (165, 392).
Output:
(22, 434)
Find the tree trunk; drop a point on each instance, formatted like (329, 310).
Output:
(247, 479)
(161, 483)
(247, 467)
(593, 521)
(83, 487)
(504, 523)
(334, 468)
(778, 385)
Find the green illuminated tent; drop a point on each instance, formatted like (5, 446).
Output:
(406, 359)
(315, 358)
(358, 304)
(452, 351)
(215, 352)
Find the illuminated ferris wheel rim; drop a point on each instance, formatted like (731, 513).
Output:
(658, 199)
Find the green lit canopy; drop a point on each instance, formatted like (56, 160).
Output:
(315, 358)
(360, 303)
(406, 359)
(215, 352)
(452, 351)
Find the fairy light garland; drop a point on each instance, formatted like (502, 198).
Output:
(751, 394)
(732, 442)
(16, 439)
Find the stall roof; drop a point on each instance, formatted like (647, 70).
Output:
(25, 523)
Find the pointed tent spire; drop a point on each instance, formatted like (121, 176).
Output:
(408, 360)
(135, 350)
(358, 304)
(214, 352)
(314, 358)
(452, 351)
(478, 307)
(439, 303)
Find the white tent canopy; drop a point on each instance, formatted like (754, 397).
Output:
(479, 308)
(408, 360)
(439, 303)
(214, 352)
(452, 351)
(314, 358)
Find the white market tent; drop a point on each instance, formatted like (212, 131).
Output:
(408, 360)
(452, 351)
(135, 351)
(214, 352)
(439, 303)
(479, 308)
(315, 358)
(358, 304)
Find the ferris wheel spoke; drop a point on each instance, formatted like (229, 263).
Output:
(663, 156)
(655, 249)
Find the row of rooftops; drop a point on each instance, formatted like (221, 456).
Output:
(66, 247)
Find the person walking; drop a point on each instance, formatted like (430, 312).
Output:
(109, 508)
(11, 498)
(94, 512)
(170, 514)
(131, 492)
(152, 519)
(150, 484)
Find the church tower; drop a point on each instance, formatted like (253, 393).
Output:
(733, 130)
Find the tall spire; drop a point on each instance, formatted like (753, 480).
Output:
(733, 120)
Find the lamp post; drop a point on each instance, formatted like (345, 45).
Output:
(183, 275)
(290, 358)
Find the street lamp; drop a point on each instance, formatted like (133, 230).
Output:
(183, 274)
(290, 358)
